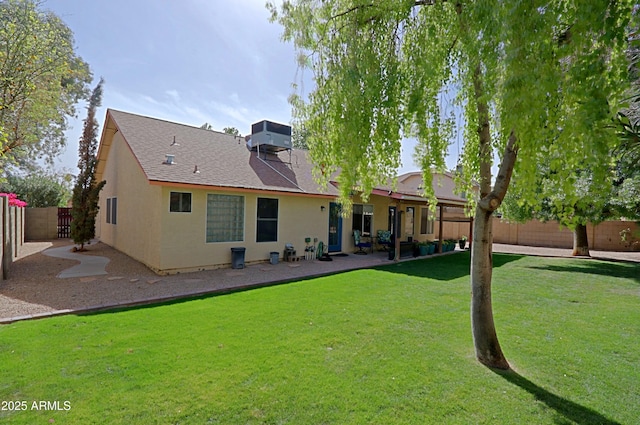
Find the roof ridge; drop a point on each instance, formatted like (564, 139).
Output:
(169, 122)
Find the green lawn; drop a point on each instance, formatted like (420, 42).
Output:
(385, 346)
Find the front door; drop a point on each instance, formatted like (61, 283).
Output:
(335, 228)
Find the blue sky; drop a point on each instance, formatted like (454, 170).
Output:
(188, 61)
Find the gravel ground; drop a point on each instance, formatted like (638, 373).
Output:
(33, 290)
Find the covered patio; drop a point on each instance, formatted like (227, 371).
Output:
(451, 220)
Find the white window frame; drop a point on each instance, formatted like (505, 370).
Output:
(224, 232)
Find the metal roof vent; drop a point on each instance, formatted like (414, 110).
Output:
(268, 136)
(170, 159)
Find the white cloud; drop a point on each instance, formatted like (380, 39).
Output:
(236, 113)
(173, 94)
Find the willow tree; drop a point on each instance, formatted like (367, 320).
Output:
(537, 82)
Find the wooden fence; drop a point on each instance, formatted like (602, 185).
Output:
(64, 223)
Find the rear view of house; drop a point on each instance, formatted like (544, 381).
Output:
(178, 198)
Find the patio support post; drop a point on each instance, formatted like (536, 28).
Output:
(470, 239)
(396, 228)
(440, 229)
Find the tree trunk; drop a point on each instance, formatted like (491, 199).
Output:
(485, 338)
(580, 241)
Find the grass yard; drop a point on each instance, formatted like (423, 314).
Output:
(385, 346)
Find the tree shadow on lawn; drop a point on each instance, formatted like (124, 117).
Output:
(446, 267)
(570, 410)
(620, 269)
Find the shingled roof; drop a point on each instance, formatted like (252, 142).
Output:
(221, 160)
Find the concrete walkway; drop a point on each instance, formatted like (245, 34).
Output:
(565, 252)
(90, 265)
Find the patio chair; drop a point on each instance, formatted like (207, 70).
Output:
(384, 239)
(360, 244)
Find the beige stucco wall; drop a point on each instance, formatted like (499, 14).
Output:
(184, 246)
(138, 225)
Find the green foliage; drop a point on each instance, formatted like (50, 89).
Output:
(41, 80)
(617, 197)
(39, 190)
(299, 136)
(553, 74)
(86, 190)
(380, 346)
(231, 130)
(626, 199)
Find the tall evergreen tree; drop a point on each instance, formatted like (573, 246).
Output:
(86, 191)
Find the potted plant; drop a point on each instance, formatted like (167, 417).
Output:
(423, 247)
(451, 245)
(462, 242)
(432, 248)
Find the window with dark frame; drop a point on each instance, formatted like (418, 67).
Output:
(267, 220)
(363, 219)
(426, 224)
(112, 210)
(409, 221)
(180, 202)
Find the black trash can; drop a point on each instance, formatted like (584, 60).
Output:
(237, 258)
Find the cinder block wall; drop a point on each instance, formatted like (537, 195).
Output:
(41, 223)
(3, 206)
(11, 235)
(604, 237)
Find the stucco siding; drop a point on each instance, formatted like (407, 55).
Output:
(184, 246)
(138, 226)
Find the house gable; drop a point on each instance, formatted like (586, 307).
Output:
(206, 158)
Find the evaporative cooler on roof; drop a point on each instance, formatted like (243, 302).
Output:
(268, 136)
